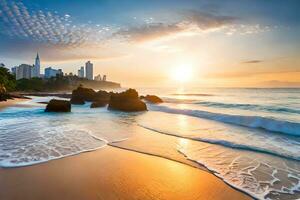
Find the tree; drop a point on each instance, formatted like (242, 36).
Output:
(34, 84)
(7, 79)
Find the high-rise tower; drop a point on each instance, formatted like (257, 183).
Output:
(89, 70)
(37, 66)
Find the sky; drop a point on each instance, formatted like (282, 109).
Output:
(159, 43)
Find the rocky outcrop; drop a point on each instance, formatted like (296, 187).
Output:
(127, 101)
(82, 94)
(77, 101)
(3, 93)
(98, 104)
(152, 99)
(56, 105)
(101, 99)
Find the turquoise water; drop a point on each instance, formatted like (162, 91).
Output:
(250, 138)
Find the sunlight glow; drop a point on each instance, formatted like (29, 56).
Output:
(182, 74)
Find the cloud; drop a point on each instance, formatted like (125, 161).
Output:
(252, 61)
(189, 21)
(207, 21)
(30, 29)
(56, 53)
(19, 21)
(149, 31)
(27, 30)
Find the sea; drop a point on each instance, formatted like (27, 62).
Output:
(249, 138)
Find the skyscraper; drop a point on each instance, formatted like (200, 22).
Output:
(37, 67)
(24, 71)
(50, 72)
(81, 72)
(89, 70)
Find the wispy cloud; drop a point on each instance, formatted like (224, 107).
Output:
(149, 31)
(17, 21)
(207, 21)
(190, 21)
(52, 31)
(252, 61)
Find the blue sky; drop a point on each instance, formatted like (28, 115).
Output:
(67, 33)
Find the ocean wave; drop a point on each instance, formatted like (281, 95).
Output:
(269, 124)
(229, 144)
(248, 107)
(243, 106)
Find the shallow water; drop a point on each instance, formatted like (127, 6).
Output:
(248, 137)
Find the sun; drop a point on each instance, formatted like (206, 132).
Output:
(182, 74)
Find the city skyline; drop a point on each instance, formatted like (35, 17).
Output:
(245, 43)
(28, 71)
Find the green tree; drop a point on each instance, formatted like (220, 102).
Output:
(34, 84)
(7, 79)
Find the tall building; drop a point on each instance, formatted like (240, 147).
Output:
(104, 78)
(50, 72)
(89, 74)
(81, 72)
(37, 67)
(24, 71)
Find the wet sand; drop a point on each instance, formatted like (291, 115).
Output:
(11, 102)
(112, 173)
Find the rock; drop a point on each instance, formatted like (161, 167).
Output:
(102, 96)
(153, 99)
(101, 99)
(77, 101)
(82, 94)
(98, 104)
(3, 93)
(127, 101)
(56, 105)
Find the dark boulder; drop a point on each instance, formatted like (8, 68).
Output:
(56, 105)
(102, 96)
(82, 94)
(101, 99)
(127, 101)
(153, 99)
(97, 104)
(77, 101)
(3, 93)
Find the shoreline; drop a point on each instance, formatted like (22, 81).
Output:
(11, 102)
(187, 164)
(112, 173)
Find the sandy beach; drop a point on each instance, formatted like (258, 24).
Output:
(112, 173)
(11, 102)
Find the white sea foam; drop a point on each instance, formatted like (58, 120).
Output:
(29, 136)
(270, 124)
(246, 151)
